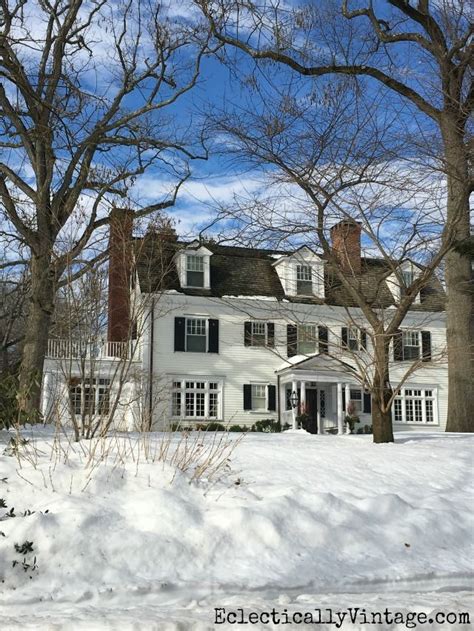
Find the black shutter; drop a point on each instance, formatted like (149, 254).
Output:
(247, 333)
(367, 409)
(344, 336)
(247, 396)
(179, 334)
(426, 346)
(323, 337)
(343, 399)
(291, 340)
(270, 335)
(271, 398)
(363, 339)
(213, 336)
(398, 347)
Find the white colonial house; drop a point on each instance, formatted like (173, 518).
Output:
(200, 332)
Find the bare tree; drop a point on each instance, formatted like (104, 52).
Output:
(330, 166)
(422, 53)
(83, 100)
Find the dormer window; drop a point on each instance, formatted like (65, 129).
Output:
(194, 270)
(304, 280)
(408, 277)
(301, 273)
(194, 267)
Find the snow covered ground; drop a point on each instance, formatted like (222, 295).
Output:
(294, 522)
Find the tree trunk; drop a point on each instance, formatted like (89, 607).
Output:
(459, 307)
(40, 310)
(381, 394)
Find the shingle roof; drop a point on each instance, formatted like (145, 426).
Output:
(239, 271)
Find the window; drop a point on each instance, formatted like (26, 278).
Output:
(353, 338)
(307, 339)
(356, 400)
(304, 280)
(196, 336)
(194, 270)
(415, 406)
(196, 399)
(411, 344)
(259, 334)
(408, 277)
(259, 397)
(90, 396)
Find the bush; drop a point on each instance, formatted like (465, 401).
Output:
(238, 428)
(267, 425)
(210, 427)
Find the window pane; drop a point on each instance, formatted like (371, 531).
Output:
(429, 411)
(194, 263)
(418, 412)
(200, 405)
(409, 410)
(303, 272)
(76, 399)
(103, 400)
(196, 344)
(213, 405)
(176, 404)
(195, 279)
(189, 403)
(398, 411)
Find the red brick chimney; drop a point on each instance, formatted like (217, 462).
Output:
(120, 268)
(345, 237)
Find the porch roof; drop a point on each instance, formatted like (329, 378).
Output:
(314, 367)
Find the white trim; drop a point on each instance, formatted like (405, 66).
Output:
(182, 379)
(403, 397)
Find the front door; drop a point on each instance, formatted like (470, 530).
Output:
(312, 410)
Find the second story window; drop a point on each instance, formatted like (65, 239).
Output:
(196, 337)
(304, 280)
(195, 334)
(259, 334)
(194, 271)
(353, 339)
(306, 339)
(411, 344)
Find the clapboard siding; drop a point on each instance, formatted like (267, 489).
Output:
(238, 364)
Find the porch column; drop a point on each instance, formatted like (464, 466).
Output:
(318, 412)
(294, 388)
(340, 424)
(302, 396)
(348, 398)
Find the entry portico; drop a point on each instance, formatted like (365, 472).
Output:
(320, 386)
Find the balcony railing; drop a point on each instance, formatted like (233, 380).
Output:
(102, 349)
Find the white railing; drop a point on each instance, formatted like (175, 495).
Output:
(102, 349)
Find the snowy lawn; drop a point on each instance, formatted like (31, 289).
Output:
(295, 522)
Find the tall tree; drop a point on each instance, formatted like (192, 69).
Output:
(326, 162)
(422, 53)
(85, 87)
